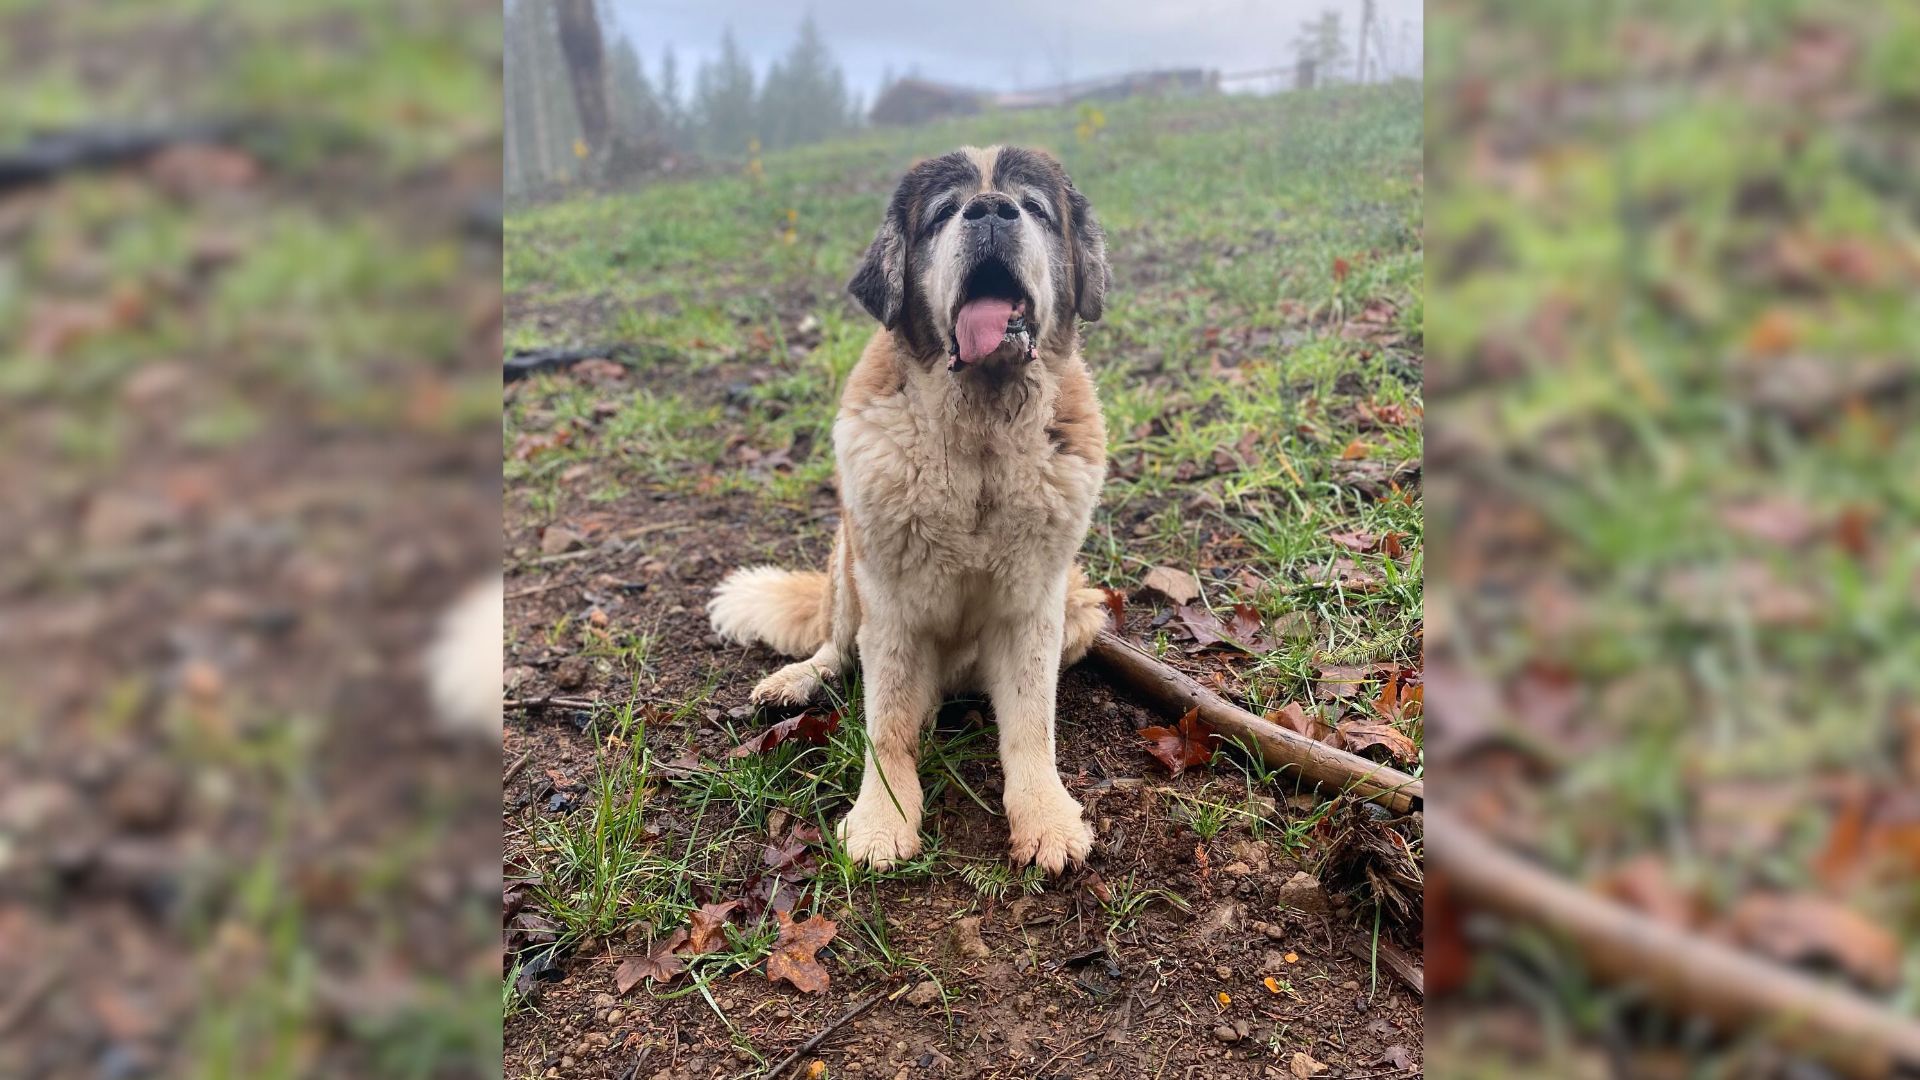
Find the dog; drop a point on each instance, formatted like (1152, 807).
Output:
(970, 450)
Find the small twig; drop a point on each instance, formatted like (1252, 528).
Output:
(565, 556)
(549, 702)
(633, 1070)
(535, 590)
(513, 770)
(1058, 1054)
(820, 1036)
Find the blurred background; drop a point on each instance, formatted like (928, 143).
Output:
(684, 86)
(249, 316)
(1674, 640)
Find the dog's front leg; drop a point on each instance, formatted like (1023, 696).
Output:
(898, 669)
(1021, 661)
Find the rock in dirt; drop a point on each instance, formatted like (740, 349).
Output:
(1226, 1034)
(558, 540)
(571, 674)
(144, 797)
(1302, 892)
(1303, 1066)
(1179, 586)
(924, 994)
(964, 940)
(1218, 920)
(1254, 853)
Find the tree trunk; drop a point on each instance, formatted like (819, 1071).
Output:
(586, 69)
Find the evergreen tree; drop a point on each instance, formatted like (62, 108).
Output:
(1323, 44)
(724, 102)
(636, 111)
(805, 96)
(672, 113)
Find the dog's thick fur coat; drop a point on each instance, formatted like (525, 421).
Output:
(965, 494)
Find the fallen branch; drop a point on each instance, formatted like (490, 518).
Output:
(820, 1036)
(1278, 746)
(1682, 971)
(533, 361)
(50, 155)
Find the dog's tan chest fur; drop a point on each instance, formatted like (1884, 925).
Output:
(942, 489)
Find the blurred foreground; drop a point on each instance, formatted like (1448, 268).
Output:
(249, 312)
(1673, 649)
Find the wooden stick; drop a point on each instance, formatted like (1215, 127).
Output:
(1684, 972)
(820, 1036)
(1395, 959)
(1277, 746)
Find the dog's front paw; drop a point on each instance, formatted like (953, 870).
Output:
(877, 836)
(791, 685)
(1048, 831)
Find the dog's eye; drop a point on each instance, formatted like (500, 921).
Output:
(939, 216)
(1032, 206)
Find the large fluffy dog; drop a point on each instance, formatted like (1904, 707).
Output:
(970, 451)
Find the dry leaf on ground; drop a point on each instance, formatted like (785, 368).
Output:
(1190, 742)
(662, 963)
(793, 954)
(1179, 586)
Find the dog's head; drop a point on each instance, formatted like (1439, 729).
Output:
(976, 239)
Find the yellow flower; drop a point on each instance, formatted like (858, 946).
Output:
(579, 148)
(789, 236)
(792, 215)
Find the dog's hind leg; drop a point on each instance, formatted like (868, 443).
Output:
(796, 683)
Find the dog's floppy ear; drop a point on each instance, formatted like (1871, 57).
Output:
(880, 284)
(1090, 273)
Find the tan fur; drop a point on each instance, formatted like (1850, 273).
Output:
(963, 502)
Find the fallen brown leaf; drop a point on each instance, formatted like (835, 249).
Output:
(707, 927)
(1179, 586)
(1190, 742)
(793, 954)
(810, 728)
(1294, 717)
(662, 963)
(1358, 735)
(1805, 929)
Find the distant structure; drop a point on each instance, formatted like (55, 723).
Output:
(915, 101)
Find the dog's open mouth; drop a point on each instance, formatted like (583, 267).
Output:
(992, 309)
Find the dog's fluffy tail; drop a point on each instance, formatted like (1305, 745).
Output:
(463, 663)
(783, 609)
(1086, 615)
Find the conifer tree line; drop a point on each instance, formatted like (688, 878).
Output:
(650, 109)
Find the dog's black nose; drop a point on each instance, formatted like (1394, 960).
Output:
(991, 202)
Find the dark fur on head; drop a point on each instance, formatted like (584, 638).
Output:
(891, 281)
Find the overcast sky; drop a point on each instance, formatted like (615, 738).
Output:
(1010, 44)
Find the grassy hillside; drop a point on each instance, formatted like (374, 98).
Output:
(1260, 366)
(1267, 262)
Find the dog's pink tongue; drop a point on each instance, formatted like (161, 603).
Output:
(981, 326)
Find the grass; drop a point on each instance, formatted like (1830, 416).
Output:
(1229, 382)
